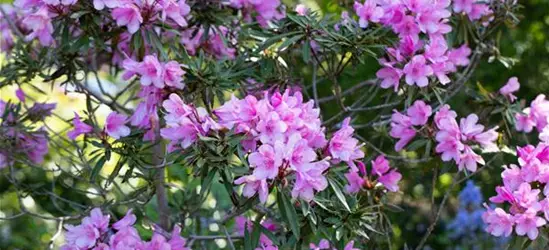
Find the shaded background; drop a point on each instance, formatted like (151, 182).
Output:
(528, 43)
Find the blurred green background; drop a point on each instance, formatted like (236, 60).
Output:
(528, 43)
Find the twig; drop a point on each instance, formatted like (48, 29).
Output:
(440, 208)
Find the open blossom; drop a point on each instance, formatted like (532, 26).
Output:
(498, 222)
(417, 71)
(115, 126)
(391, 77)
(527, 224)
(128, 15)
(401, 128)
(419, 113)
(100, 4)
(343, 147)
(309, 179)
(301, 9)
(535, 116)
(252, 186)
(369, 11)
(79, 128)
(509, 88)
(40, 25)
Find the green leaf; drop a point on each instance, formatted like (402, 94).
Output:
(98, 166)
(287, 210)
(339, 194)
(289, 42)
(255, 234)
(306, 51)
(207, 179)
(247, 240)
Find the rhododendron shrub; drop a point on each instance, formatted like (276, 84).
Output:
(248, 124)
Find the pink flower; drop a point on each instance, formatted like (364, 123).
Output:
(355, 182)
(271, 128)
(390, 75)
(176, 241)
(301, 9)
(98, 220)
(128, 15)
(343, 146)
(512, 177)
(79, 128)
(510, 87)
(417, 71)
(401, 128)
(469, 160)
(350, 246)
(486, 139)
(100, 4)
(173, 75)
(463, 6)
(368, 12)
(115, 125)
(185, 133)
(323, 244)
(266, 162)
(127, 221)
(40, 24)
(527, 197)
(252, 186)
(419, 112)
(298, 152)
(151, 72)
(176, 108)
(83, 236)
(524, 122)
(459, 56)
(380, 165)
(390, 180)
(175, 10)
(544, 135)
(310, 178)
(469, 127)
(444, 113)
(498, 222)
(528, 223)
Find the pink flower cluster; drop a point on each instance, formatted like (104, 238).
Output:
(38, 18)
(133, 13)
(152, 71)
(283, 135)
(381, 171)
(95, 233)
(115, 126)
(525, 189)
(414, 58)
(474, 9)
(402, 126)
(454, 142)
(266, 10)
(535, 116)
(32, 145)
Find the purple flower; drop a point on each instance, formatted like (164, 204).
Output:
(417, 71)
(253, 186)
(390, 75)
(498, 222)
(265, 162)
(355, 182)
(510, 87)
(79, 128)
(128, 15)
(310, 178)
(419, 113)
(368, 12)
(390, 180)
(115, 125)
(40, 24)
(528, 223)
